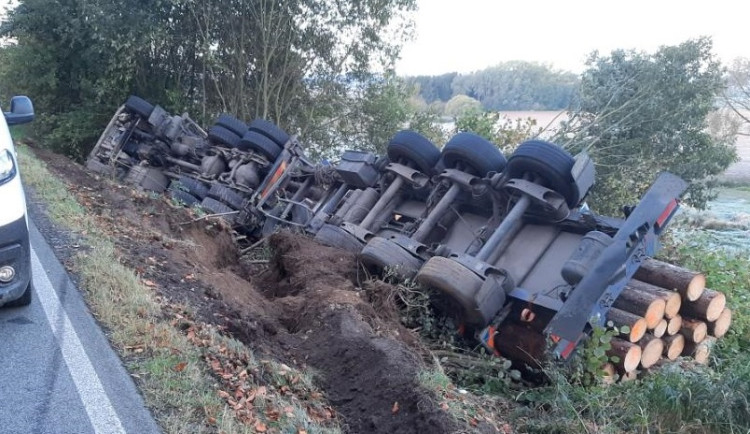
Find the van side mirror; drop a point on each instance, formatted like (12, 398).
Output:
(21, 111)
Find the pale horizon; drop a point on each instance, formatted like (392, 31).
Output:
(472, 35)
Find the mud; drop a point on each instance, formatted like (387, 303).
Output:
(308, 306)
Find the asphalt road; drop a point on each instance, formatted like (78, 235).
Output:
(58, 373)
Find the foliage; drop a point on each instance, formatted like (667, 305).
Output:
(294, 61)
(459, 105)
(513, 85)
(594, 355)
(644, 113)
(501, 130)
(737, 94)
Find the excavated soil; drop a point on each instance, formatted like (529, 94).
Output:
(308, 306)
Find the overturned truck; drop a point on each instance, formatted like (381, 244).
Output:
(506, 245)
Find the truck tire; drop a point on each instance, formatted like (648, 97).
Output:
(226, 195)
(232, 124)
(551, 162)
(182, 196)
(335, 236)
(255, 141)
(139, 106)
(148, 178)
(415, 148)
(380, 254)
(457, 284)
(192, 186)
(219, 135)
(270, 130)
(213, 206)
(475, 152)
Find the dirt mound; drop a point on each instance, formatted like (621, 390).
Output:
(368, 372)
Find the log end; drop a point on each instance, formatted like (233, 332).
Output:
(632, 358)
(674, 346)
(661, 328)
(695, 288)
(673, 325)
(673, 304)
(651, 352)
(716, 306)
(655, 313)
(637, 330)
(720, 327)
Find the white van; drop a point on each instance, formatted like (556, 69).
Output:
(15, 253)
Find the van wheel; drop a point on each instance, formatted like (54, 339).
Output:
(23, 300)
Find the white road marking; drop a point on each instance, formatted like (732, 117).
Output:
(102, 415)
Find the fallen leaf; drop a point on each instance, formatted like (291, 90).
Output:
(180, 366)
(260, 427)
(149, 283)
(394, 410)
(223, 394)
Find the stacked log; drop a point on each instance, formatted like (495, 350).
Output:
(682, 316)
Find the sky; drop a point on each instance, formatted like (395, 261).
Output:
(468, 35)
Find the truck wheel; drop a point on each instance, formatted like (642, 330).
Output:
(139, 106)
(380, 254)
(213, 206)
(192, 186)
(232, 124)
(226, 195)
(458, 286)
(415, 148)
(270, 130)
(551, 162)
(148, 178)
(334, 236)
(182, 196)
(255, 141)
(219, 135)
(23, 300)
(474, 152)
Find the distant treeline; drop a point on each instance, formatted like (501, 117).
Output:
(513, 85)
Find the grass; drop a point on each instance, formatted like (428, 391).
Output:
(166, 351)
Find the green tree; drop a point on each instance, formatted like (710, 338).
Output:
(461, 104)
(645, 113)
(293, 62)
(505, 132)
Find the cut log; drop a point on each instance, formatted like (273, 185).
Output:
(699, 351)
(520, 343)
(719, 327)
(651, 347)
(707, 307)
(673, 346)
(628, 353)
(693, 330)
(629, 376)
(609, 374)
(644, 304)
(688, 283)
(620, 318)
(661, 328)
(674, 325)
(672, 299)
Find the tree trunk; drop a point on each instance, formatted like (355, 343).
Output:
(673, 346)
(620, 318)
(693, 330)
(651, 347)
(644, 304)
(688, 283)
(629, 354)
(707, 307)
(719, 327)
(672, 299)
